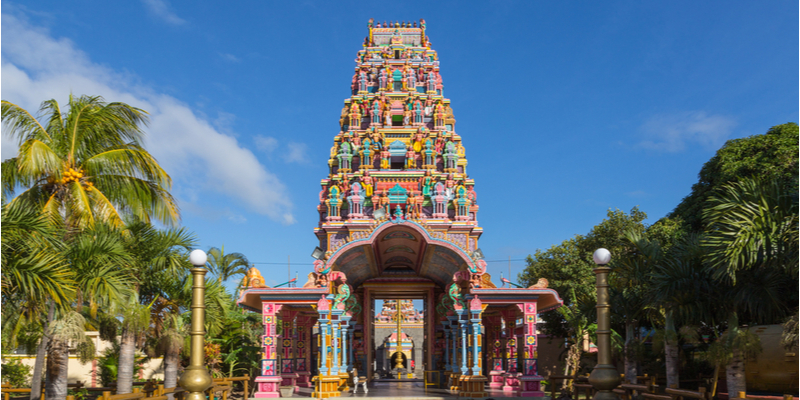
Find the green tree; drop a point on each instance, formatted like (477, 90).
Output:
(773, 155)
(160, 256)
(86, 164)
(225, 266)
(752, 242)
(68, 328)
(568, 266)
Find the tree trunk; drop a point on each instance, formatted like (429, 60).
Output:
(57, 370)
(127, 355)
(671, 351)
(38, 367)
(630, 356)
(734, 372)
(171, 359)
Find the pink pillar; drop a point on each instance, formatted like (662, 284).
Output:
(495, 351)
(305, 325)
(530, 379)
(269, 380)
(288, 351)
(512, 374)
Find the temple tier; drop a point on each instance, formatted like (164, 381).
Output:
(398, 221)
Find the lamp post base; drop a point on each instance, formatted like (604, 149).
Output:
(605, 378)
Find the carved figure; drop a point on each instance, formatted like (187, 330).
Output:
(411, 158)
(366, 181)
(385, 202)
(425, 184)
(385, 157)
(407, 117)
(540, 284)
(387, 115)
(475, 281)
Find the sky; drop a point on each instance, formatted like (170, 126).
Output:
(566, 109)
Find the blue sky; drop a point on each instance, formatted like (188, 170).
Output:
(566, 109)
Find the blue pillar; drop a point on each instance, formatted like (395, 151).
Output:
(464, 325)
(336, 340)
(476, 332)
(324, 322)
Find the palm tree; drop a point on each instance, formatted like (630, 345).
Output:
(159, 257)
(677, 289)
(86, 164)
(752, 238)
(68, 328)
(36, 276)
(580, 327)
(225, 266)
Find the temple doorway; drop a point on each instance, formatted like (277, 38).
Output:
(403, 356)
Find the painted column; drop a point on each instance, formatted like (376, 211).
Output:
(530, 380)
(288, 349)
(270, 380)
(511, 375)
(496, 374)
(303, 345)
(323, 306)
(336, 341)
(464, 325)
(475, 309)
(345, 328)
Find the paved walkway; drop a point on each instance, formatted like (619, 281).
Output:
(410, 391)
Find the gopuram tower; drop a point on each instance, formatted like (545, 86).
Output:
(397, 154)
(398, 222)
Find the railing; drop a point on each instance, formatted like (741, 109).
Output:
(151, 390)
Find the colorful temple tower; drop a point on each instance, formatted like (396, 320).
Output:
(398, 220)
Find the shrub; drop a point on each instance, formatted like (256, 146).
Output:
(16, 374)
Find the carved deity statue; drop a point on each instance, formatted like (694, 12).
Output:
(366, 182)
(385, 157)
(411, 158)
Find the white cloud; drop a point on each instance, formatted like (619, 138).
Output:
(673, 132)
(266, 144)
(229, 57)
(296, 153)
(160, 9)
(200, 159)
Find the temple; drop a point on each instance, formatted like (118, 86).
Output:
(398, 223)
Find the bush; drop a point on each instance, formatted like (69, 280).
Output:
(16, 374)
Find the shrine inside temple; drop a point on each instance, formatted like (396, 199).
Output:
(398, 222)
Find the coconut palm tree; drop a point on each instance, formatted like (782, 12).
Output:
(86, 163)
(752, 239)
(225, 266)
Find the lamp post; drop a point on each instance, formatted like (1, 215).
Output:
(196, 379)
(605, 376)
